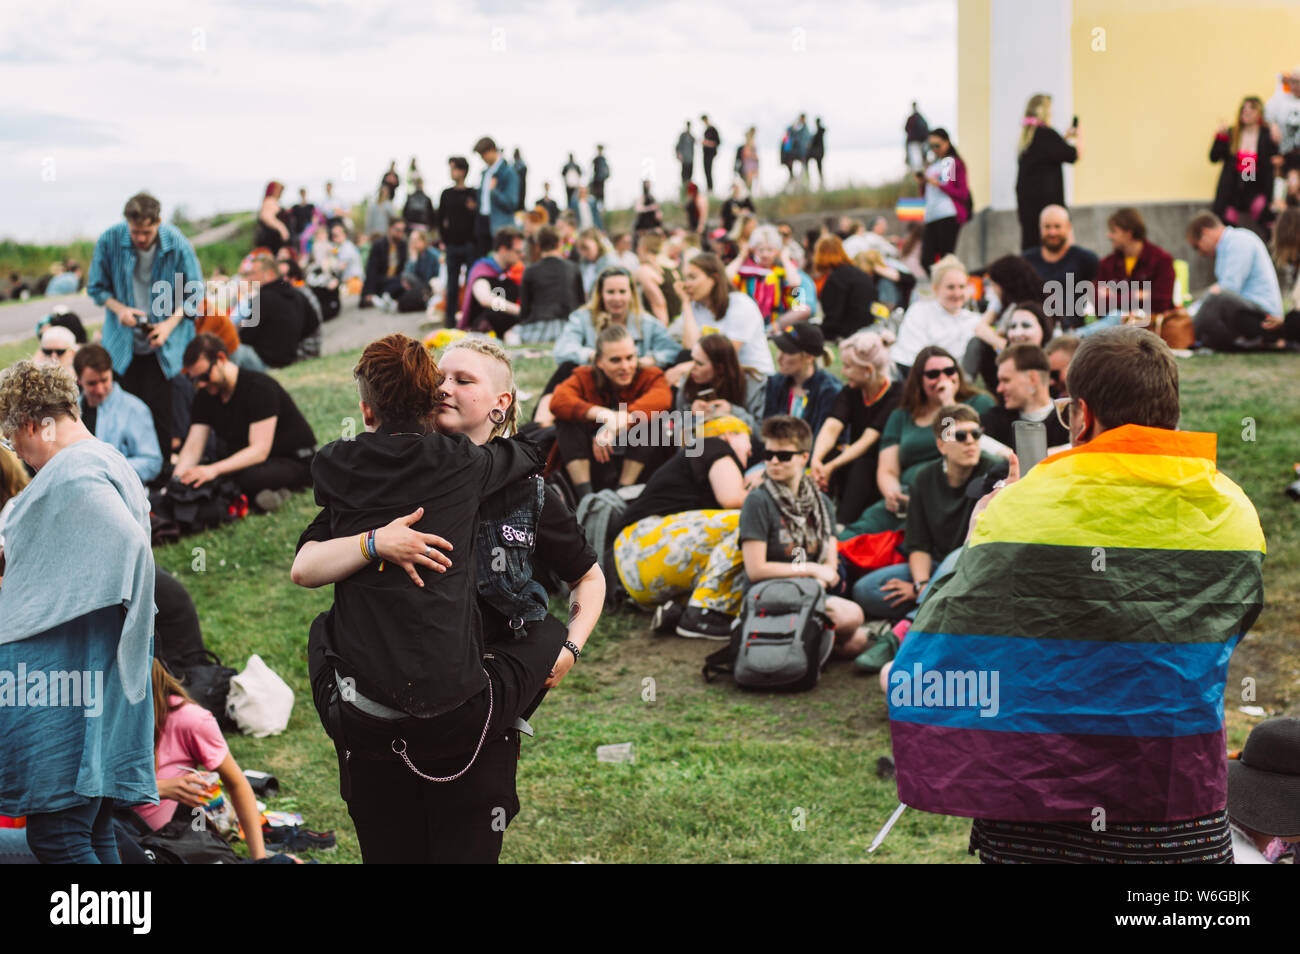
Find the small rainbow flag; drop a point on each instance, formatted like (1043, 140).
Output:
(1087, 627)
(910, 210)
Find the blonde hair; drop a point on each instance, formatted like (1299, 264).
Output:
(946, 264)
(491, 348)
(30, 392)
(866, 349)
(1039, 107)
(13, 478)
(600, 318)
(869, 260)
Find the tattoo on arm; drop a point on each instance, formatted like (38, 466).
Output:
(574, 608)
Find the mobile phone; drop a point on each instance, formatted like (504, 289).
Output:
(706, 395)
(1031, 443)
(1076, 122)
(145, 328)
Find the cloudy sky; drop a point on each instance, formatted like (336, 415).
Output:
(203, 103)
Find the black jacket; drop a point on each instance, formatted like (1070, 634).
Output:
(846, 299)
(418, 649)
(1039, 181)
(377, 265)
(1235, 190)
(551, 291)
(457, 215)
(282, 314)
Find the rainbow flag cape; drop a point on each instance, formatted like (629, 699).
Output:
(1077, 656)
(910, 210)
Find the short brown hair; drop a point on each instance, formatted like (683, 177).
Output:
(951, 414)
(142, 209)
(1127, 375)
(788, 430)
(398, 378)
(506, 237)
(1202, 222)
(205, 345)
(548, 240)
(486, 144)
(1130, 220)
(91, 356)
(1067, 343)
(1027, 357)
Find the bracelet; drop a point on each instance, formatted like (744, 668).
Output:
(573, 648)
(918, 584)
(368, 548)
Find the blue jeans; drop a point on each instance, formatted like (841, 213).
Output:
(945, 567)
(869, 594)
(249, 360)
(1110, 321)
(83, 835)
(458, 256)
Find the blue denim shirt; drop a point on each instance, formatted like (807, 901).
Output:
(110, 277)
(124, 421)
(1242, 265)
(507, 536)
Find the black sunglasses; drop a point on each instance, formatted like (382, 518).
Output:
(54, 352)
(201, 378)
(970, 433)
(934, 373)
(784, 456)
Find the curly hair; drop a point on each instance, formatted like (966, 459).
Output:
(493, 349)
(399, 379)
(29, 393)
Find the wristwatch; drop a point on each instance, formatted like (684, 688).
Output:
(917, 584)
(573, 648)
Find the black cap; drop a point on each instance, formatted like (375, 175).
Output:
(802, 336)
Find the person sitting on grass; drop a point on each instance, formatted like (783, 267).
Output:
(270, 442)
(690, 504)
(598, 404)
(718, 385)
(907, 444)
(1024, 377)
(115, 416)
(937, 518)
(787, 528)
(800, 388)
(852, 428)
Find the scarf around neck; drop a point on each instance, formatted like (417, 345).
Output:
(805, 512)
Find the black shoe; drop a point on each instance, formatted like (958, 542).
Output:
(697, 623)
(666, 619)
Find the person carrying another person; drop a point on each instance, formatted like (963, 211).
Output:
(763, 271)
(1024, 378)
(938, 515)
(907, 442)
(146, 334)
(942, 321)
(115, 416)
(77, 599)
(491, 300)
(845, 291)
(1244, 306)
(717, 385)
(799, 388)
(710, 305)
(853, 426)
(1262, 784)
(1067, 270)
(666, 535)
(595, 407)
(1112, 657)
(269, 443)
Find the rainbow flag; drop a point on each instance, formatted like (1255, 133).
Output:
(910, 210)
(1076, 658)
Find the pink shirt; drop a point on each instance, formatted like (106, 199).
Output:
(190, 739)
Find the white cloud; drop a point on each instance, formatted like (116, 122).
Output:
(206, 102)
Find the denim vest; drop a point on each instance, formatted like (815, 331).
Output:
(507, 535)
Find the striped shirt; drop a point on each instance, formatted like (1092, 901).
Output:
(111, 272)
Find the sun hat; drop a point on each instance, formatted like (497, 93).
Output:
(1264, 783)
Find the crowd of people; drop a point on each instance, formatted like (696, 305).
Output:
(691, 443)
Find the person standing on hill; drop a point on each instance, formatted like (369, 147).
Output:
(1039, 181)
(917, 131)
(817, 152)
(710, 145)
(599, 173)
(457, 220)
(686, 153)
(571, 174)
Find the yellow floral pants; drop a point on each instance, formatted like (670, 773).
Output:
(696, 552)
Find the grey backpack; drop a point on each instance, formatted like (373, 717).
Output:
(782, 640)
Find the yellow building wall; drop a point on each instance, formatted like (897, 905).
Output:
(1150, 101)
(973, 48)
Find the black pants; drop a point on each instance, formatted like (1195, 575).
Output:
(1030, 236)
(687, 170)
(574, 442)
(709, 156)
(403, 819)
(483, 235)
(274, 473)
(145, 379)
(937, 240)
(1226, 317)
(458, 256)
(856, 486)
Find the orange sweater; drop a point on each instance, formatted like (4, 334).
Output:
(574, 397)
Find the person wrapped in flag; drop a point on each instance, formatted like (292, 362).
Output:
(1064, 685)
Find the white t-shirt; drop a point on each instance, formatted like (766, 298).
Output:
(743, 322)
(927, 323)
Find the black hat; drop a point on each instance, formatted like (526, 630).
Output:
(802, 336)
(62, 316)
(1264, 784)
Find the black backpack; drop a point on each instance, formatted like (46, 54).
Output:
(782, 641)
(207, 680)
(195, 509)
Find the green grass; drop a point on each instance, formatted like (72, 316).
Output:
(719, 775)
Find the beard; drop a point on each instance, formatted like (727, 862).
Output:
(1055, 243)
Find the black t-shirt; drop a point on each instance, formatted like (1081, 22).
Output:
(851, 408)
(998, 423)
(681, 484)
(256, 397)
(551, 290)
(1080, 261)
(178, 640)
(761, 519)
(457, 215)
(281, 315)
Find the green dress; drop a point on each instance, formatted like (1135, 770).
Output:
(916, 448)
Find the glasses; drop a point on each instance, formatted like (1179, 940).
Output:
(968, 434)
(54, 352)
(201, 378)
(784, 456)
(934, 373)
(1062, 405)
